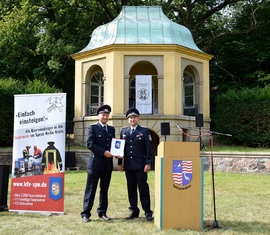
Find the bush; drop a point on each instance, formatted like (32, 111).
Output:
(8, 88)
(245, 114)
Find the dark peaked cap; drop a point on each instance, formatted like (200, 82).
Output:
(104, 109)
(132, 112)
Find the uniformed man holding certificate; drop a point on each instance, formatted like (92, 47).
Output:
(100, 164)
(136, 163)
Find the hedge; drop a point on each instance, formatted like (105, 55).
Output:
(246, 115)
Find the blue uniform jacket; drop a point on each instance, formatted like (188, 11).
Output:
(138, 148)
(98, 141)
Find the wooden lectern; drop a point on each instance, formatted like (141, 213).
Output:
(179, 186)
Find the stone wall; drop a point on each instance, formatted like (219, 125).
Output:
(238, 162)
(5, 157)
(227, 162)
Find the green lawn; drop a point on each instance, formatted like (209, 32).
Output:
(242, 207)
(226, 148)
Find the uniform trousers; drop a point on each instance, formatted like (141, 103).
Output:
(138, 179)
(90, 191)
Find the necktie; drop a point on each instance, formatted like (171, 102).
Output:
(104, 128)
(132, 131)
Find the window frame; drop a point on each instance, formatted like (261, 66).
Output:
(96, 91)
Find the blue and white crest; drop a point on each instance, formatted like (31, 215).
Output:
(182, 172)
(56, 188)
(117, 144)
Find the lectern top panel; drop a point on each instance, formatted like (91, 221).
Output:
(179, 149)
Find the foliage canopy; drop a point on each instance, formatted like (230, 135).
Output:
(38, 37)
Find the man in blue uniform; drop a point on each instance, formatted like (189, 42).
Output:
(136, 163)
(100, 164)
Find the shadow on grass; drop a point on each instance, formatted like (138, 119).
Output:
(237, 227)
(122, 219)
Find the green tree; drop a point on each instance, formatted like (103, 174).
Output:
(8, 88)
(243, 60)
(37, 38)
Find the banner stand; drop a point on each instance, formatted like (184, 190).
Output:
(38, 159)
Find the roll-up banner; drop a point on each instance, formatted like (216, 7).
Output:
(38, 161)
(144, 94)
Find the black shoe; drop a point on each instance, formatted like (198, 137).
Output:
(132, 216)
(85, 220)
(149, 216)
(104, 217)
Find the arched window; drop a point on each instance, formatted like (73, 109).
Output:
(189, 95)
(96, 92)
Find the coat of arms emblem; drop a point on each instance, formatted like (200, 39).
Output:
(182, 172)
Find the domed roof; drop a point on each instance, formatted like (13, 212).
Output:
(141, 25)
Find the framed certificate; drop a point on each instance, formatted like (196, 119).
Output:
(117, 147)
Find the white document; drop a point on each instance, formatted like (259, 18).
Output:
(117, 147)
